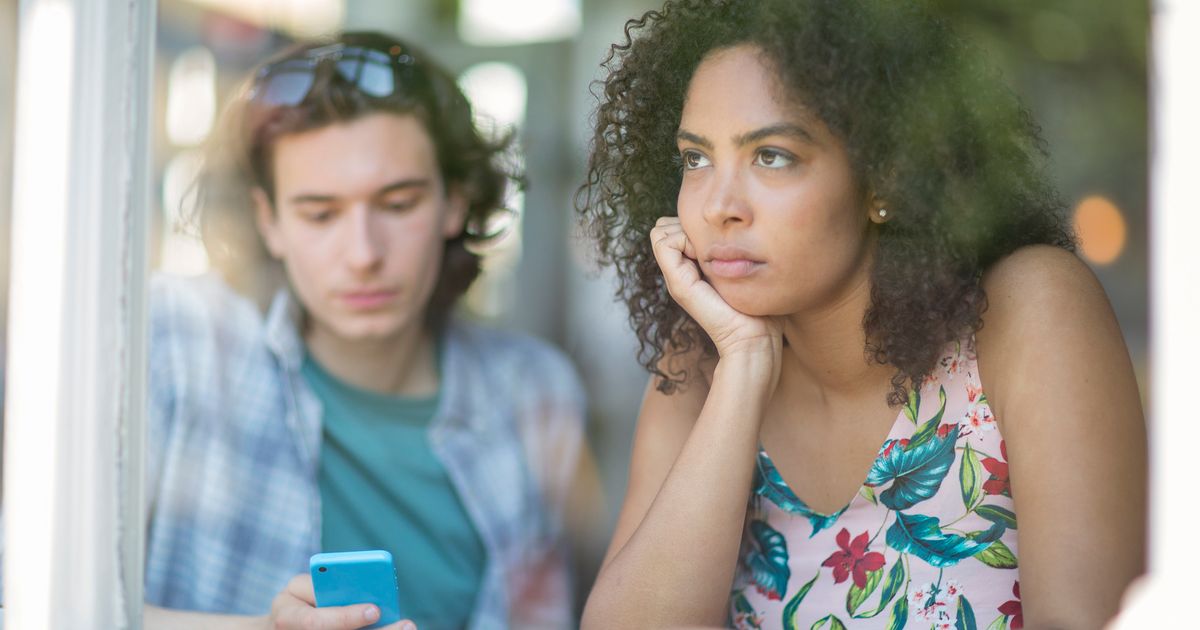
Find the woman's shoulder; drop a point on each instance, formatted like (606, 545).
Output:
(1035, 290)
(1046, 310)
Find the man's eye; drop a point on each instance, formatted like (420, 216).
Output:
(399, 206)
(320, 216)
(693, 160)
(773, 158)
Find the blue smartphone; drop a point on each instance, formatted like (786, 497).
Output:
(357, 577)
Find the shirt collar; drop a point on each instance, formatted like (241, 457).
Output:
(462, 405)
(284, 320)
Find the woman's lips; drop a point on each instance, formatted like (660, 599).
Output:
(367, 300)
(730, 262)
(732, 268)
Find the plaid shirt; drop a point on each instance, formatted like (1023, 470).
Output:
(233, 507)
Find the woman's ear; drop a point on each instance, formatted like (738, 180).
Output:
(877, 210)
(267, 222)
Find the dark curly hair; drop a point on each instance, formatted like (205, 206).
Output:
(238, 158)
(929, 128)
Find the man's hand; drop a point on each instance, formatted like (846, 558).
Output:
(296, 608)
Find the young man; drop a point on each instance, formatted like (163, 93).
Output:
(358, 413)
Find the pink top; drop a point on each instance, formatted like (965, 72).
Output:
(929, 540)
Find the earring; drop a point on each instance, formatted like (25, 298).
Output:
(883, 213)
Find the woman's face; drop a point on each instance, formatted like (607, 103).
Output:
(360, 220)
(768, 198)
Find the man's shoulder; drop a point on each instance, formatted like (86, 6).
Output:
(181, 305)
(509, 346)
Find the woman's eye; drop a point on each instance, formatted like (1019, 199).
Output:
(693, 160)
(772, 158)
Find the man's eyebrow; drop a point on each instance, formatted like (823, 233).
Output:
(401, 184)
(782, 129)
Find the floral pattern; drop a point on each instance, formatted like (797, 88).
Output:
(929, 539)
(853, 559)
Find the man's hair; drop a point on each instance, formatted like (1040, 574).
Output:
(929, 127)
(238, 159)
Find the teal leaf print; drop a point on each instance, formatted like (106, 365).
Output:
(742, 606)
(770, 484)
(923, 537)
(834, 623)
(856, 596)
(929, 429)
(899, 616)
(916, 471)
(997, 555)
(966, 615)
(970, 477)
(998, 515)
(891, 585)
(768, 560)
(789, 611)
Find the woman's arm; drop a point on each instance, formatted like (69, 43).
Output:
(673, 554)
(1059, 380)
(672, 557)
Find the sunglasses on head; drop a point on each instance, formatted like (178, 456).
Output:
(373, 71)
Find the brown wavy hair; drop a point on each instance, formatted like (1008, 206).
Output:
(238, 159)
(929, 127)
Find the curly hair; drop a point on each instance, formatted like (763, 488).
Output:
(929, 128)
(239, 157)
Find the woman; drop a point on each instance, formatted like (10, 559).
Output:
(873, 351)
(358, 413)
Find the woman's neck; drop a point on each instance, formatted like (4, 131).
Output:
(402, 364)
(825, 355)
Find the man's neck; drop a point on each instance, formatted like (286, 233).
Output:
(404, 364)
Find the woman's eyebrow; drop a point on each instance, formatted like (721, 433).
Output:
(688, 136)
(781, 129)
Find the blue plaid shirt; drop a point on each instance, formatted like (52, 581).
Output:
(233, 507)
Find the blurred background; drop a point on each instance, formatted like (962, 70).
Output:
(527, 65)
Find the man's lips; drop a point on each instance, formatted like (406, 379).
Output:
(367, 299)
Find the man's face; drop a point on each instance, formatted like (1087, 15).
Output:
(360, 220)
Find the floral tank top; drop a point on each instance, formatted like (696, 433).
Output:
(929, 541)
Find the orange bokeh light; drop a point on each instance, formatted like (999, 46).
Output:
(1101, 229)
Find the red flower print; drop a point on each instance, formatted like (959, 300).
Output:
(853, 559)
(944, 430)
(1012, 608)
(998, 484)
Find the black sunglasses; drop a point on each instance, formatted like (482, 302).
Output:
(374, 72)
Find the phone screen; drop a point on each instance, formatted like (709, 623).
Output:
(357, 577)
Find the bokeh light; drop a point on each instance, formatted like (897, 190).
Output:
(1101, 229)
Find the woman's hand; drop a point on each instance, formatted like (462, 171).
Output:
(731, 331)
(296, 607)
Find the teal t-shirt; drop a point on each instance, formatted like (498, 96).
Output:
(382, 487)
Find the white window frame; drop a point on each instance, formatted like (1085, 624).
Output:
(75, 408)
